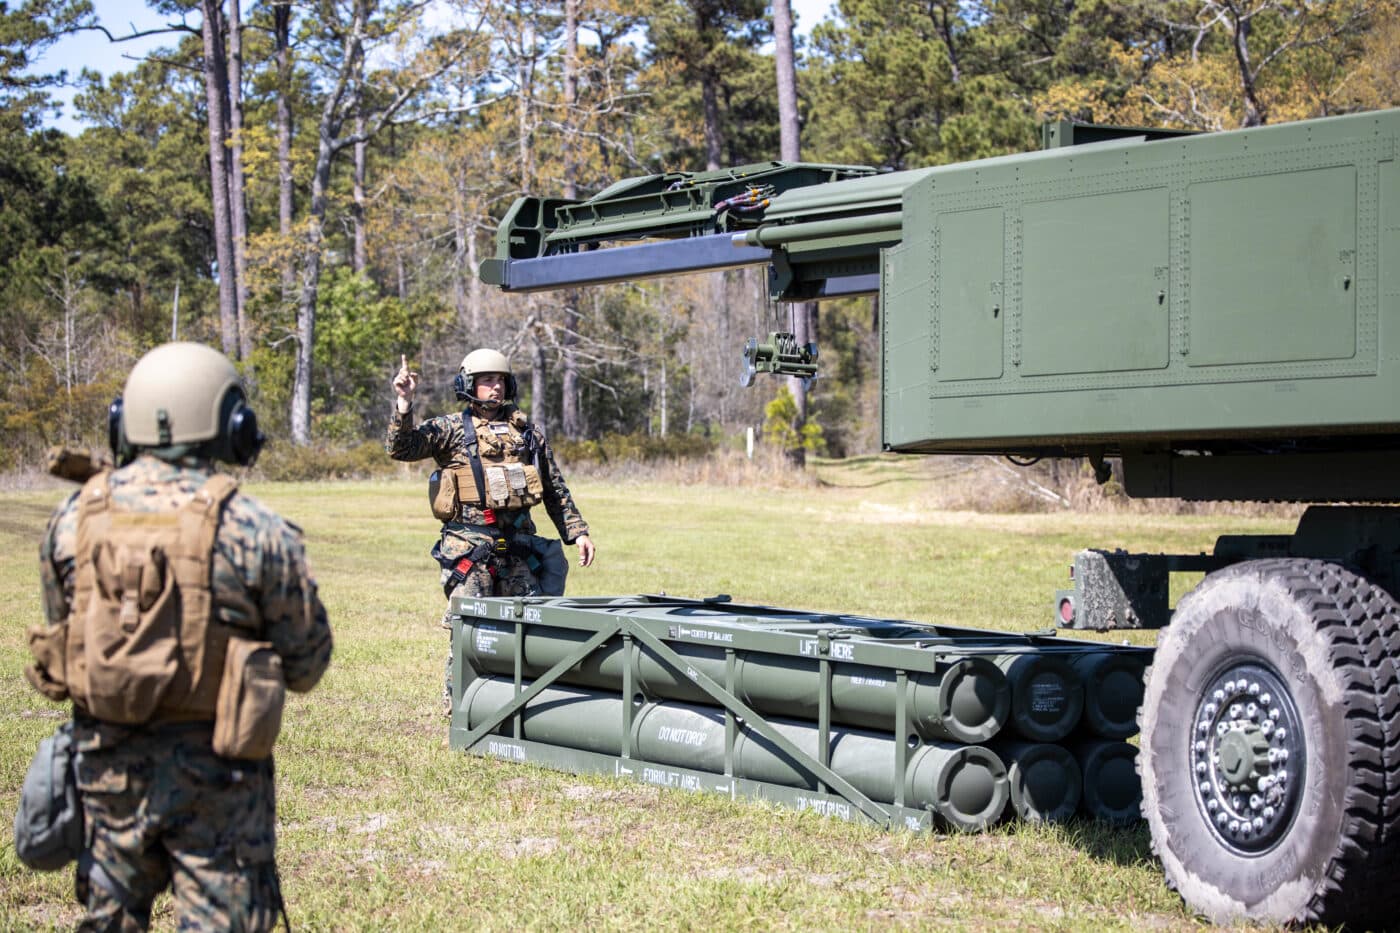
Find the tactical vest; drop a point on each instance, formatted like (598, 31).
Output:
(142, 644)
(498, 470)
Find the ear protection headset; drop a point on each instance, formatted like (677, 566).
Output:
(465, 387)
(239, 440)
(116, 438)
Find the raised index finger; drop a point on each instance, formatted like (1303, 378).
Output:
(403, 361)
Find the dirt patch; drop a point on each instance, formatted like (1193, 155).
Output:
(528, 847)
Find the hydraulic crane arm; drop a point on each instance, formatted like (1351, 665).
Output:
(819, 229)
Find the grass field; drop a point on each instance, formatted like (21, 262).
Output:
(381, 826)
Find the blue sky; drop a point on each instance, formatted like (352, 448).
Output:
(92, 50)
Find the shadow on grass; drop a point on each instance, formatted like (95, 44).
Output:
(1122, 845)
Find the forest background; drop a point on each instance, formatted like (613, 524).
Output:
(309, 185)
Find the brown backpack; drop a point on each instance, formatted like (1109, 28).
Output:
(138, 643)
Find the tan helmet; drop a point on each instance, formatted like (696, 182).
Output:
(187, 393)
(480, 361)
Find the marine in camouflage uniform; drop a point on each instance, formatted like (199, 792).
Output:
(161, 808)
(479, 543)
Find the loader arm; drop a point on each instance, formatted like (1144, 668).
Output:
(819, 229)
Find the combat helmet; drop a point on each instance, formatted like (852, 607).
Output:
(477, 362)
(188, 398)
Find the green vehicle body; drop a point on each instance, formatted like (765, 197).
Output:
(1220, 314)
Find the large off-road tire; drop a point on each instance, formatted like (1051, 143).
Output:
(1270, 754)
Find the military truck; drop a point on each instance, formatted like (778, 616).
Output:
(1218, 312)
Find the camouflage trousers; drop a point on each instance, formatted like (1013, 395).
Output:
(162, 810)
(513, 577)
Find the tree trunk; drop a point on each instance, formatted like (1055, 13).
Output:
(310, 289)
(238, 205)
(360, 261)
(281, 37)
(569, 402)
(474, 297)
(714, 135)
(538, 407)
(1255, 113)
(215, 89)
(461, 265)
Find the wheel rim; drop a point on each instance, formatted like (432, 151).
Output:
(1248, 756)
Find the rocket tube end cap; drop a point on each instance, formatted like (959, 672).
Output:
(965, 784)
(974, 701)
(1113, 691)
(1044, 780)
(1047, 694)
(1112, 786)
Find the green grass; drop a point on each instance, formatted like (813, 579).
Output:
(381, 826)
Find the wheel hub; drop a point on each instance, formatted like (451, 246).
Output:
(1248, 756)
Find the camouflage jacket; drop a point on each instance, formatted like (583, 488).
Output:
(445, 440)
(261, 581)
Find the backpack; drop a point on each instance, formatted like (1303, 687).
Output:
(49, 821)
(141, 642)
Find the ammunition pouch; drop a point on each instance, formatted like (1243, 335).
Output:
(442, 495)
(499, 486)
(252, 692)
(48, 644)
(512, 486)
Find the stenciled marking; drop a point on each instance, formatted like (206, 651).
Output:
(703, 634)
(505, 750)
(671, 779)
(678, 736)
(825, 807)
(486, 638)
(839, 650)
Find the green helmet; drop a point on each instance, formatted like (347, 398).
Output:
(186, 395)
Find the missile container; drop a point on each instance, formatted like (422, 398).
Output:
(864, 718)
